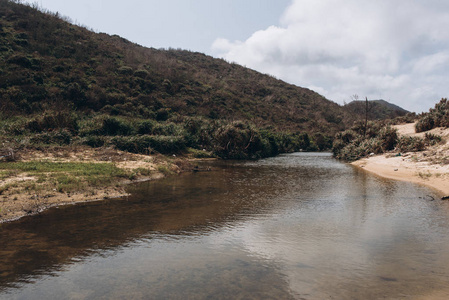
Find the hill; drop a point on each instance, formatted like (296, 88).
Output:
(377, 109)
(49, 66)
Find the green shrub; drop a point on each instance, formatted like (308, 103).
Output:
(432, 139)
(169, 129)
(354, 144)
(147, 144)
(388, 138)
(125, 70)
(239, 140)
(200, 153)
(115, 126)
(94, 141)
(54, 121)
(410, 144)
(61, 137)
(425, 123)
(141, 73)
(347, 136)
(436, 117)
(146, 127)
(162, 114)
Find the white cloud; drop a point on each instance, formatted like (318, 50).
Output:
(397, 50)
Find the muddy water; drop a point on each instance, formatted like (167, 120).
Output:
(300, 226)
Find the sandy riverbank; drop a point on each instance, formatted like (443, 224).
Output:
(17, 199)
(429, 167)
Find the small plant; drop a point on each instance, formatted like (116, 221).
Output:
(144, 171)
(424, 175)
(164, 170)
(425, 123)
(94, 141)
(114, 126)
(200, 153)
(432, 139)
(146, 127)
(411, 144)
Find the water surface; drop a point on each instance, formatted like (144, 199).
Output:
(299, 226)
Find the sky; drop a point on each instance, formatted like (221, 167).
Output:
(396, 50)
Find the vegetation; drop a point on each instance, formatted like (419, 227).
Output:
(353, 144)
(436, 117)
(377, 109)
(231, 140)
(61, 176)
(63, 84)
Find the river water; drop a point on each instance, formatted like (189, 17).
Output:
(298, 226)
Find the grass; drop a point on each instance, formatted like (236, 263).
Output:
(164, 170)
(424, 175)
(63, 176)
(195, 153)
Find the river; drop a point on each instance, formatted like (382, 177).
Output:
(297, 226)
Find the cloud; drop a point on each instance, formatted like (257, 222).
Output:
(395, 50)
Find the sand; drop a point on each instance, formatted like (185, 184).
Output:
(429, 167)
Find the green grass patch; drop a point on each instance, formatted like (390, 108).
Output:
(200, 153)
(164, 170)
(66, 177)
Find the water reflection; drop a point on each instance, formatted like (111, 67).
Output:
(295, 226)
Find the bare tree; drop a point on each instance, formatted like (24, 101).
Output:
(366, 116)
(368, 108)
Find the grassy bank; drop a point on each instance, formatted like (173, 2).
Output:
(39, 179)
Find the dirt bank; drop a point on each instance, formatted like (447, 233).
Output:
(429, 167)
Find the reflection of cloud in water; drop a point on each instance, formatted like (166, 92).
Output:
(367, 244)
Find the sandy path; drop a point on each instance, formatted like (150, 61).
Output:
(428, 167)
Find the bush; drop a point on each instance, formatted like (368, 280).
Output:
(115, 126)
(425, 123)
(54, 121)
(436, 117)
(141, 73)
(239, 140)
(125, 70)
(354, 144)
(146, 144)
(410, 144)
(162, 114)
(94, 141)
(432, 139)
(170, 129)
(388, 137)
(62, 137)
(146, 127)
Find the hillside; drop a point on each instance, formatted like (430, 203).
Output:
(48, 63)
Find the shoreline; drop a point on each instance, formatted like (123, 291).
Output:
(398, 168)
(429, 167)
(38, 204)
(24, 193)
